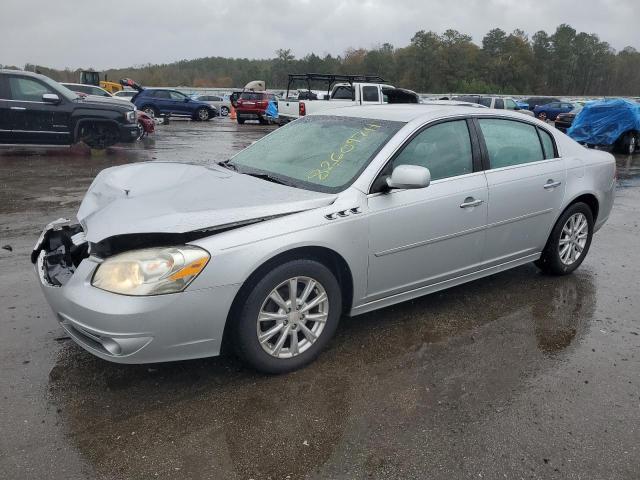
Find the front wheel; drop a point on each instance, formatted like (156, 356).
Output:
(628, 144)
(202, 114)
(542, 116)
(224, 111)
(569, 241)
(288, 316)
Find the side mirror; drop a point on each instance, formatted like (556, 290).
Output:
(409, 177)
(51, 98)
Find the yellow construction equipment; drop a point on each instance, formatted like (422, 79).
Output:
(91, 77)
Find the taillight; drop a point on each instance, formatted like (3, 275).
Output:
(302, 109)
(262, 104)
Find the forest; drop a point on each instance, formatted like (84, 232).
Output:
(564, 62)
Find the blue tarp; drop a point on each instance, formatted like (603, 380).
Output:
(603, 122)
(272, 110)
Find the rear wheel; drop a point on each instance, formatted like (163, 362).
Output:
(224, 111)
(569, 241)
(288, 316)
(240, 121)
(542, 116)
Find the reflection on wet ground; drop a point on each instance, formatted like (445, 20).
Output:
(518, 375)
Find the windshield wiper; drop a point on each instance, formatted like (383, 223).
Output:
(226, 164)
(267, 177)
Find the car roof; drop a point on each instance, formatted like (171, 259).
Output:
(410, 112)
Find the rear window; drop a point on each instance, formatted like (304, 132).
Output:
(486, 101)
(252, 96)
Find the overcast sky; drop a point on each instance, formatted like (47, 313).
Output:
(83, 33)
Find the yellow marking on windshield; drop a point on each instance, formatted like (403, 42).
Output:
(336, 157)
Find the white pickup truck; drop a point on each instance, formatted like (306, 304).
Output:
(351, 90)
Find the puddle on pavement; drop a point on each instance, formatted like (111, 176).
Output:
(437, 359)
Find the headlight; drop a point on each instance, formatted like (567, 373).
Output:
(130, 116)
(151, 271)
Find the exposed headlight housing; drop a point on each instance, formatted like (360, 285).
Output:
(151, 271)
(130, 116)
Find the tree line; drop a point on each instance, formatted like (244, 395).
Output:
(565, 62)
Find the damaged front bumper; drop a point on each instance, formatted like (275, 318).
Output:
(121, 328)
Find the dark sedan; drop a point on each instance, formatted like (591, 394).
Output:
(564, 120)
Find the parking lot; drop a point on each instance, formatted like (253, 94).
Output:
(519, 375)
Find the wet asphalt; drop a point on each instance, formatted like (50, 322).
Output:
(518, 375)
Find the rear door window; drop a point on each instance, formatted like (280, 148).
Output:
(162, 94)
(486, 101)
(510, 142)
(370, 94)
(499, 104)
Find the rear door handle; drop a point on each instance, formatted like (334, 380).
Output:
(471, 202)
(551, 184)
(18, 108)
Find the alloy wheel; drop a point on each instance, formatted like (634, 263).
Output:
(292, 317)
(203, 114)
(573, 238)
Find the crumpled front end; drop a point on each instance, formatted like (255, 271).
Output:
(124, 328)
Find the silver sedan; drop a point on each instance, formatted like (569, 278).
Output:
(331, 215)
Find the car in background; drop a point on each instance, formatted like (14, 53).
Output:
(35, 110)
(220, 103)
(165, 101)
(87, 89)
(550, 111)
(609, 124)
(253, 106)
(533, 102)
(499, 103)
(522, 104)
(265, 252)
(564, 120)
(128, 94)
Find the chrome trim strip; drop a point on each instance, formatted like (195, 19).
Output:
(460, 234)
(40, 131)
(436, 287)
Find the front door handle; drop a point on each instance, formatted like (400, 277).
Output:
(471, 202)
(19, 108)
(551, 184)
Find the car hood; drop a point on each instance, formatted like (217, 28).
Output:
(159, 197)
(104, 101)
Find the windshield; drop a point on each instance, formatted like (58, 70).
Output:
(320, 153)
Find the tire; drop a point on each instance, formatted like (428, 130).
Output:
(290, 332)
(542, 116)
(551, 261)
(628, 144)
(263, 121)
(240, 121)
(98, 135)
(202, 114)
(151, 110)
(224, 111)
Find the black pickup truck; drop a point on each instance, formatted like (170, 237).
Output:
(35, 110)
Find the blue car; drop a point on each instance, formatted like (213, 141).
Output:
(551, 110)
(164, 101)
(522, 104)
